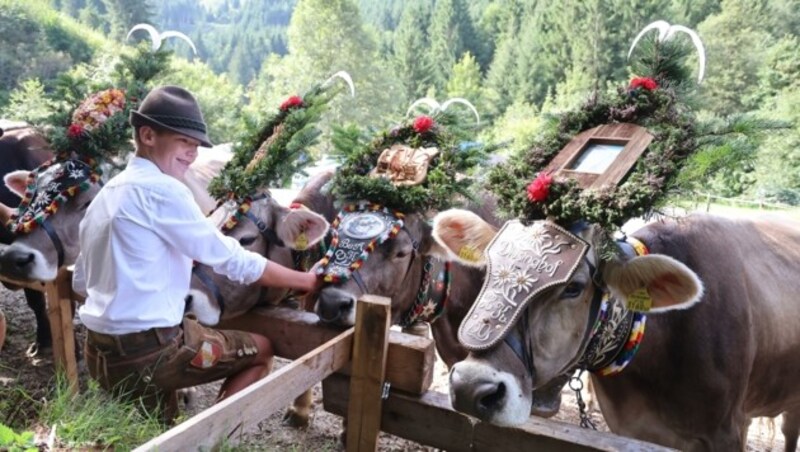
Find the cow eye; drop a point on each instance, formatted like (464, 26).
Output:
(85, 206)
(247, 241)
(402, 254)
(572, 290)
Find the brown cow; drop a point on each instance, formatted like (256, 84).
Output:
(701, 372)
(395, 269)
(215, 297)
(22, 149)
(210, 292)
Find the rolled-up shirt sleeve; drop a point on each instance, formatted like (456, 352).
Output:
(179, 221)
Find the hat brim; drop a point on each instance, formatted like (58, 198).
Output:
(138, 120)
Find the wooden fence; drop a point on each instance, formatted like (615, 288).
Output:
(354, 367)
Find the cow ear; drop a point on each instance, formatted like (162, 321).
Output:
(655, 283)
(17, 181)
(301, 228)
(464, 234)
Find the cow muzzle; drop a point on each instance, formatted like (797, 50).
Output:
(488, 394)
(26, 264)
(336, 307)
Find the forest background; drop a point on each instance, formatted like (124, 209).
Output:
(518, 61)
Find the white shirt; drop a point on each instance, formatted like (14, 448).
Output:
(137, 240)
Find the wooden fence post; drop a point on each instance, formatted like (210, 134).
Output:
(59, 312)
(368, 371)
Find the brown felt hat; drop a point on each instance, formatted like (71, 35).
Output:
(175, 109)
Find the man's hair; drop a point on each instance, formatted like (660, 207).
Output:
(157, 129)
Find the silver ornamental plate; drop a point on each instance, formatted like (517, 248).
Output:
(363, 226)
(522, 262)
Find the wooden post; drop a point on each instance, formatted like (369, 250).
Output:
(367, 374)
(58, 294)
(59, 313)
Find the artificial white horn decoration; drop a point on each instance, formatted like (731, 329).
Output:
(158, 38)
(432, 103)
(462, 101)
(344, 76)
(666, 32)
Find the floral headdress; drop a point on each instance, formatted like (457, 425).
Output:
(436, 133)
(268, 155)
(655, 100)
(93, 132)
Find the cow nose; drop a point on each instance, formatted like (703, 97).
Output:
(334, 304)
(479, 399)
(20, 259)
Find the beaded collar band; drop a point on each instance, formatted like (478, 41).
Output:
(357, 230)
(49, 186)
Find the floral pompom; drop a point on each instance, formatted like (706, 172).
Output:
(74, 131)
(643, 82)
(423, 124)
(97, 108)
(292, 102)
(539, 189)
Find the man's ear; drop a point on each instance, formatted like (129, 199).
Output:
(654, 282)
(17, 181)
(464, 234)
(301, 228)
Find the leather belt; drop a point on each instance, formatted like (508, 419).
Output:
(133, 343)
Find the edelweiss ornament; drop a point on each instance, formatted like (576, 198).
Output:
(522, 262)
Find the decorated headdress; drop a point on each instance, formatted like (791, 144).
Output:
(618, 156)
(416, 166)
(269, 154)
(83, 136)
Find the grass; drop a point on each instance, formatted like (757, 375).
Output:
(94, 418)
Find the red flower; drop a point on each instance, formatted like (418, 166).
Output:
(423, 124)
(539, 189)
(291, 102)
(643, 82)
(75, 131)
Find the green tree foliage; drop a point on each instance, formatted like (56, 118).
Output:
(36, 43)
(124, 14)
(327, 36)
(219, 97)
(410, 48)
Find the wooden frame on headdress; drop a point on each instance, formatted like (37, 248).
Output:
(632, 139)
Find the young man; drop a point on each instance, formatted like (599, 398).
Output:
(138, 240)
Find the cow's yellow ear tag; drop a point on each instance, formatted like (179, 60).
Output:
(640, 301)
(468, 253)
(301, 242)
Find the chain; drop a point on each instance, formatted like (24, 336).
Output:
(576, 384)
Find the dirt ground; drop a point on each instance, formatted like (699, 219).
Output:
(18, 371)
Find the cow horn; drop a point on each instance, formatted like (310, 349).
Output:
(432, 103)
(462, 101)
(344, 76)
(158, 38)
(666, 32)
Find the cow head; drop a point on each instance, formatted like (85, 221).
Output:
(46, 230)
(377, 251)
(530, 325)
(268, 229)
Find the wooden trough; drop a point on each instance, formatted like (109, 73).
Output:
(354, 366)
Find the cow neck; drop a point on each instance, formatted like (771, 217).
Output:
(617, 332)
(432, 295)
